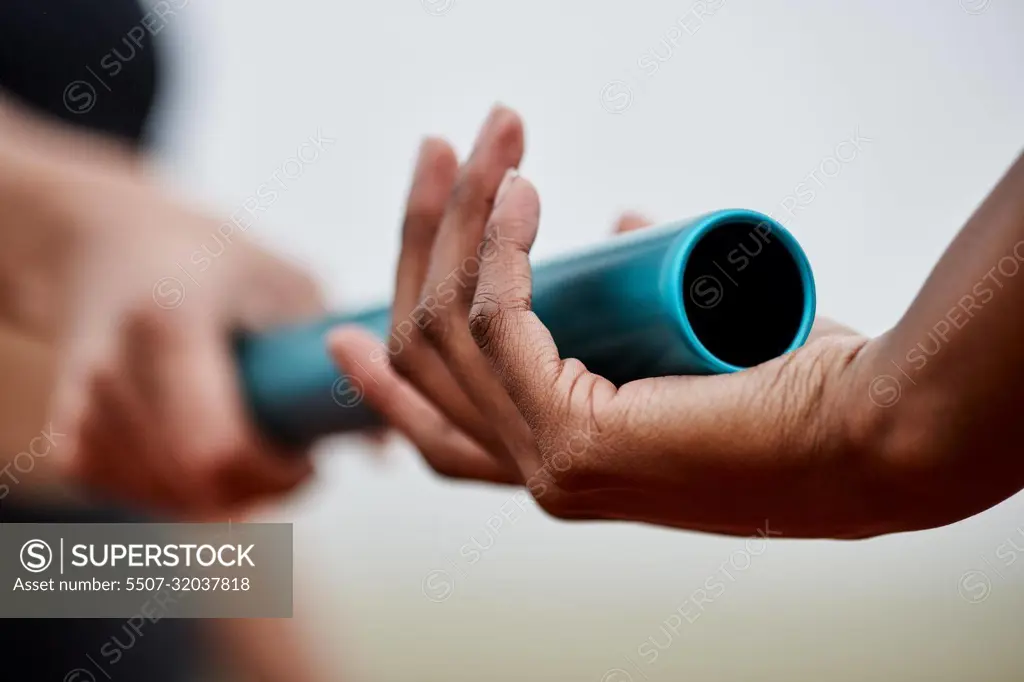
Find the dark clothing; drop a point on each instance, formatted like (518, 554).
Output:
(92, 64)
(91, 649)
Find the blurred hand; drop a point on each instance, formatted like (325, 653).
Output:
(147, 392)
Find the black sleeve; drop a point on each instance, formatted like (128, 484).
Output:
(93, 64)
(90, 63)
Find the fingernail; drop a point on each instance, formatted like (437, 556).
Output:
(510, 176)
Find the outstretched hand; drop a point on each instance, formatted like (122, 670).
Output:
(484, 393)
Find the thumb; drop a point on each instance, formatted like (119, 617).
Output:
(510, 335)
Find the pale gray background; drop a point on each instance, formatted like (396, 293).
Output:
(739, 115)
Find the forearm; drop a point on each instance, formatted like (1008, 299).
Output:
(846, 438)
(39, 162)
(43, 167)
(942, 390)
(33, 249)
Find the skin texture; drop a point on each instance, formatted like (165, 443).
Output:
(135, 368)
(84, 237)
(831, 440)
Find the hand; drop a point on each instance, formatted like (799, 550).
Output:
(423, 400)
(146, 396)
(822, 442)
(484, 393)
(441, 421)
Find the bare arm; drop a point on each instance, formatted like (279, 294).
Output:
(946, 384)
(832, 440)
(137, 371)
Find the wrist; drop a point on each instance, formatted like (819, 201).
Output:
(905, 445)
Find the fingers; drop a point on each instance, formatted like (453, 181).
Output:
(514, 341)
(92, 347)
(287, 294)
(465, 244)
(458, 254)
(187, 375)
(114, 419)
(433, 340)
(630, 221)
(499, 147)
(446, 449)
(432, 184)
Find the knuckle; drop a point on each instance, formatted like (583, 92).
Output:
(406, 346)
(483, 318)
(404, 359)
(572, 371)
(306, 289)
(150, 324)
(515, 294)
(286, 292)
(211, 460)
(405, 337)
(509, 232)
(491, 317)
(437, 330)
